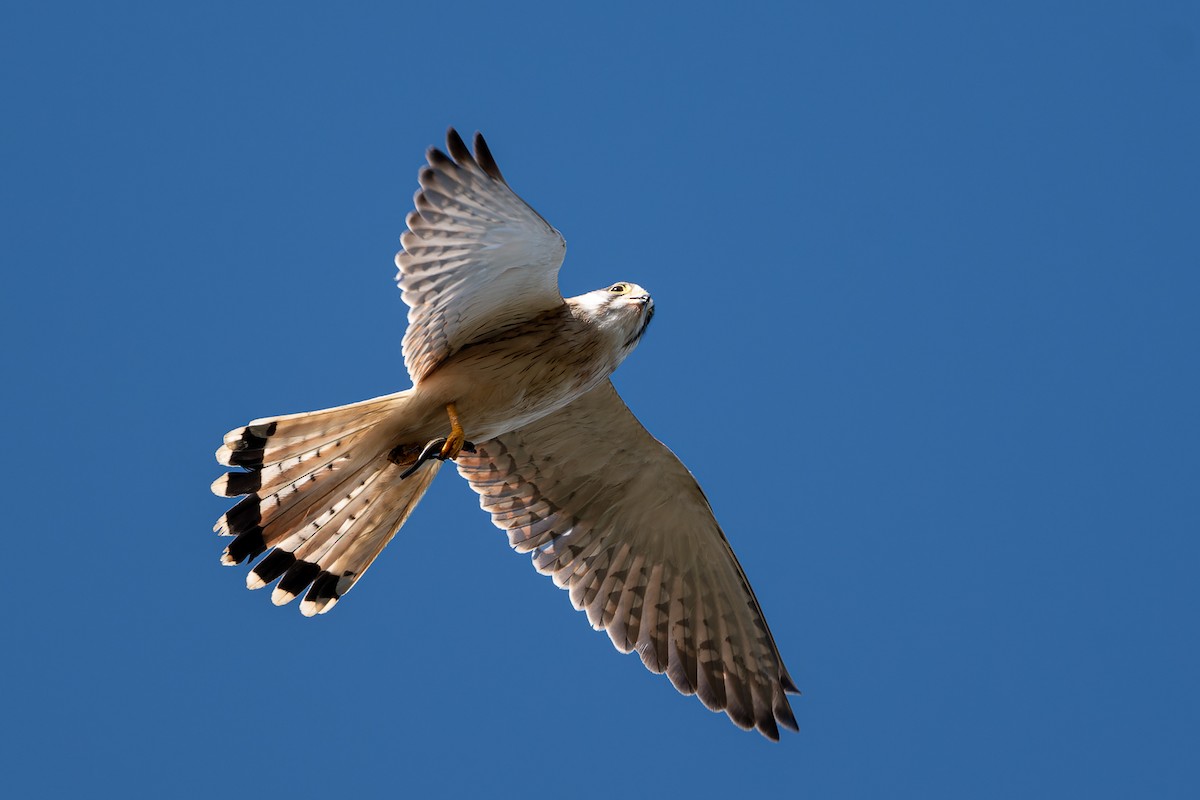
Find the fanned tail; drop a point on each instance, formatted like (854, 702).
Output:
(323, 494)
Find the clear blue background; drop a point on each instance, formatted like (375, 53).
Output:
(927, 278)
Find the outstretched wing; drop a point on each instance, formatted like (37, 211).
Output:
(615, 518)
(476, 257)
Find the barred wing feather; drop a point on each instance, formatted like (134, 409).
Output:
(616, 519)
(476, 257)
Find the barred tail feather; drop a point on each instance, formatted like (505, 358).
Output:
(322, 494)
(272, 440)
(360, 539)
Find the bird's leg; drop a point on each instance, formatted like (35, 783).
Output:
(444, 448)
(457, 438)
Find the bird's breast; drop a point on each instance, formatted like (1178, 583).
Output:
(507, 382)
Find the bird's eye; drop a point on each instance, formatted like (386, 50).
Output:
(618, 288)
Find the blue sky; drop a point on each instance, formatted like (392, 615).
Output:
(927, 279)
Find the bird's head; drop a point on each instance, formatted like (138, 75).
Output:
(623, 309)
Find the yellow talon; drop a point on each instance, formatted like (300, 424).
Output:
(457, 438)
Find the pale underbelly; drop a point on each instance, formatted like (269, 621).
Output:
(496, 392)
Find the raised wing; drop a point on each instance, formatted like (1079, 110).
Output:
(476, 257)
(614, 517)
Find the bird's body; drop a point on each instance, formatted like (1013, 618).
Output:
(518, 377)
(498, 388)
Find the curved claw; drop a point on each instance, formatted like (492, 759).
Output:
(432, 450)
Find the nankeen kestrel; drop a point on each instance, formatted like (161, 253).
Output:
(510, 381)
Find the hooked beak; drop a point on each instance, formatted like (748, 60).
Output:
(647, 310)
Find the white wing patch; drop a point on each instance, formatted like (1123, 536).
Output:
(476, 257)
(614, 517)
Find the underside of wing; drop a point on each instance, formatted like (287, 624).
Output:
(614, 517)
(476, 257)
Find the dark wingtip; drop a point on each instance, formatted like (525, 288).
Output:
(437, 158)
(457, 147)
(786, 718)
(483, 156)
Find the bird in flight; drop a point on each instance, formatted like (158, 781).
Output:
(511, 382)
